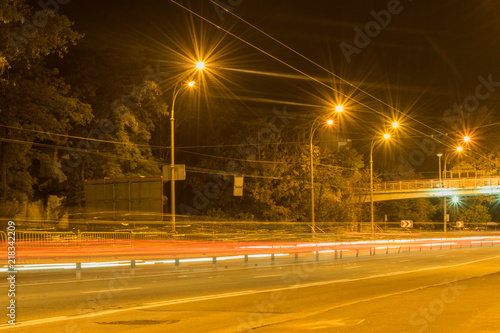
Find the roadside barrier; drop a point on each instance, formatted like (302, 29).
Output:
(45, 238)
(269, 254)
(105, 238)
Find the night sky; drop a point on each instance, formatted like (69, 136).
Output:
(413, 60)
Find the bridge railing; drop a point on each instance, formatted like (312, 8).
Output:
(425, 184)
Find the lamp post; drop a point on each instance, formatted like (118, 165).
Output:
(177, 89)
(386, 136)
(313, 129)
(458, 149)
(441, 186)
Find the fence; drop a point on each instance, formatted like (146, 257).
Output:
(423, 184)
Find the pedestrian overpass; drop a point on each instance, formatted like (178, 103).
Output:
(432, 188)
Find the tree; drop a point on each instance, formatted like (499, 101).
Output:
(475, 215)
(277, 177)
(421, 211)
(37, 106)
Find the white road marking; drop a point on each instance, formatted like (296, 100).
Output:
(107, 290)
(265, 276)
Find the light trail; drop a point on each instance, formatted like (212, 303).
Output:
(324, 247)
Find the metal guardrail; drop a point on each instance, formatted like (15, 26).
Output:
(44, 238)
(436, 184)
(101, 238)
(327, 251)
(150, 237)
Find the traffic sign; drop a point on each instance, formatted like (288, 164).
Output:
(238, 186)
(406, 224)
(179, 172)
(460, 224)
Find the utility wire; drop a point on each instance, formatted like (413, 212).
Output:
(316, 64)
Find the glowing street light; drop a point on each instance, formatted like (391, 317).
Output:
(459, 149)
(191, 83)
(339, 108)
(200, 65)
(395, 124)
(455, 199)
(466, 138)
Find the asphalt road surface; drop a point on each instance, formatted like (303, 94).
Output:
(431, 291)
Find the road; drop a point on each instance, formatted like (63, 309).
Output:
(429, 291)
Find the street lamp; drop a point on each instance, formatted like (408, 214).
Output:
(440, 180)
(177, 89)
(386, 137)
(313, 129)
(458, 149)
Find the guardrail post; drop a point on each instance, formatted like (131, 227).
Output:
(357, 253)
(214, 261)
(409, 248)
(481, 243)
(387, 250)
(272, 259)
(373, 251)
(317, 255)
(132, 267)
(246, 259)
(296, 257)
(176, 263)
(78, 271)
(399, 249)
(370, 251)
(340, 253)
